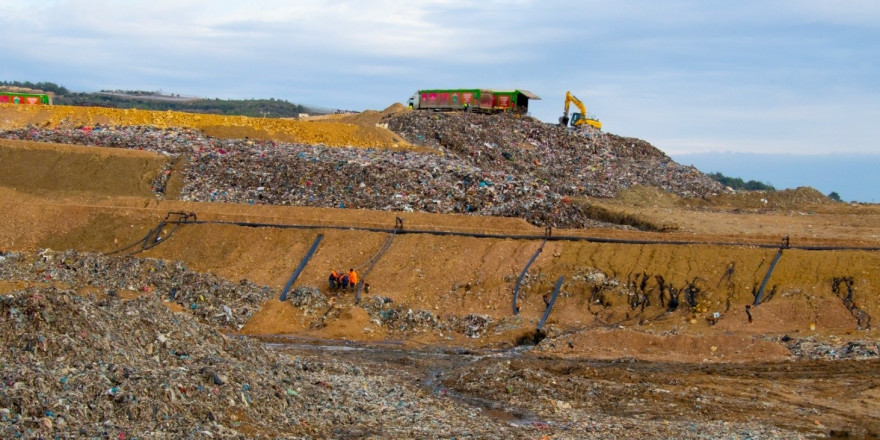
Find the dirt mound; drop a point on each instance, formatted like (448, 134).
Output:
(239, 127)
(51, 168)
(368, 118)
(16, 89)
(798, 198)
(642, 195)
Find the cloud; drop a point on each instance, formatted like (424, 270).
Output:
(382, 28)
(848, 12)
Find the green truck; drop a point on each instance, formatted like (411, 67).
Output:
(482, 100)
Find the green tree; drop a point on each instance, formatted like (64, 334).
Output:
(738, 183)
(834, 196)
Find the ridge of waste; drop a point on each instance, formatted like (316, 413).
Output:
(489, 165)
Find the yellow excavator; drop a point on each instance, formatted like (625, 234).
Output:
(578, 119)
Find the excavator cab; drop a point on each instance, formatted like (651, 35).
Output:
(578, 119)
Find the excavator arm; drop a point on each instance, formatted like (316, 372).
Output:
(571, 98)
(580, 118)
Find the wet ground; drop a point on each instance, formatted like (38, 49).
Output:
(816, 399)
(430, 368)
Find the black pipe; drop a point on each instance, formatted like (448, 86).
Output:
(522, 275)
(785, 245)
(552, 301)
(398, 225)
(767, 277)
(538, 237)
(302, 265)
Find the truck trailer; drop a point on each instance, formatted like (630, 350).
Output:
(482, 100)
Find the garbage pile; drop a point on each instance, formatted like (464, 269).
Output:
(813, 349)
(492, 165)
(308, 298)
(276, 173)
(81, 367)
(571, 162)
(76, 363)
(211, 299)
(383, 311)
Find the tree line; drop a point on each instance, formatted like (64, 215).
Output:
(40, 86)
(145, 100)
(739, 184)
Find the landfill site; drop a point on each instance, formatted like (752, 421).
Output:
(164, 275)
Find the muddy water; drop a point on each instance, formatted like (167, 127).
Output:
(431, 368)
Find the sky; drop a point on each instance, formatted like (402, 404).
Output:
(692, 77)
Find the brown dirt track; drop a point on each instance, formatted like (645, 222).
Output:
(95, 199)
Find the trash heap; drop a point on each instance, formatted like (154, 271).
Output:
(571, 162)
(276, 173)
(491, 165)
(76, 364)
(309, 299)
(208, 298)
(833, 349)
(211, 299)
(397, 318)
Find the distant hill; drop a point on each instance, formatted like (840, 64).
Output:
(148, 100)
(274, 108)
(852, 175)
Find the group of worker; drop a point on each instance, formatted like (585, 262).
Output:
(343, 281)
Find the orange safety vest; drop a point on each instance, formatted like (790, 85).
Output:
(353, 277)
(334, 275)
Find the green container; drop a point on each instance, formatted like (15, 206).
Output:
(485, 100)
(25, 98)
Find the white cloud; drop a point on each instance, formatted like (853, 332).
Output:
(842, 12)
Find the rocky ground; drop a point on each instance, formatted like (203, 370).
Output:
(119, 325)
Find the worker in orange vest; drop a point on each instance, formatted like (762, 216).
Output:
(334, 280)
(352, 278)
